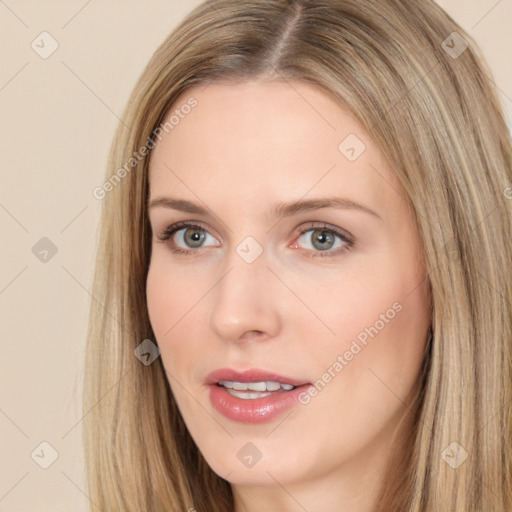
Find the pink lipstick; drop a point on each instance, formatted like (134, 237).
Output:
(253, 396)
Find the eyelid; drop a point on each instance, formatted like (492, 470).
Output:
(343, 234)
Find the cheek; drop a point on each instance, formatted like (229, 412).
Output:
(166, 308)
(161, 303)
(171, 294)
(378, 320)
(351, 304)
(174, 303)
(366, 373)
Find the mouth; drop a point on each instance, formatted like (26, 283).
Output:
(253, 396)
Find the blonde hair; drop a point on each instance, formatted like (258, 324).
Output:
(436, 116)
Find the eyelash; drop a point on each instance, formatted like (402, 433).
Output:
(171, 230)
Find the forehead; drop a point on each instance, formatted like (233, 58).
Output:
(268, 139)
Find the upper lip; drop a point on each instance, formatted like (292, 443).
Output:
(251, 375)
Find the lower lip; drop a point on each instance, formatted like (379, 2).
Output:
(256, 410)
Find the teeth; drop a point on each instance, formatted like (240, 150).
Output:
(254, 386)
(257, 386)
(273, 386)
(247, 396)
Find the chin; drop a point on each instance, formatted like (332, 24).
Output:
(244, 462)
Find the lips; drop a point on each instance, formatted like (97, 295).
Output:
(252, 375)
(253, 396)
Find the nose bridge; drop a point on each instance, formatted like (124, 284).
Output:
(242, 300)
(247, 264)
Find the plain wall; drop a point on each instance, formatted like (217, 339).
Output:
(58, 119)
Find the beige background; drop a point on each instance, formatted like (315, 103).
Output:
(58, 118)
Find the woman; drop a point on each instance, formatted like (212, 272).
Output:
(303, 289)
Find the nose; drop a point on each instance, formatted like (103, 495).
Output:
(246, 302)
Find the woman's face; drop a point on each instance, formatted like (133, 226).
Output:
(328, 295)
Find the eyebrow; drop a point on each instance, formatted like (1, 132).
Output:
(279, 210)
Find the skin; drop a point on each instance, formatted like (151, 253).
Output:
(242, 149)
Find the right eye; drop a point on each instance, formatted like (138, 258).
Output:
(190, 235)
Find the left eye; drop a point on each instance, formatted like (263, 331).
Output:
(323, 239)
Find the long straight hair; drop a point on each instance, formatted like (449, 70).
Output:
(420, 86)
